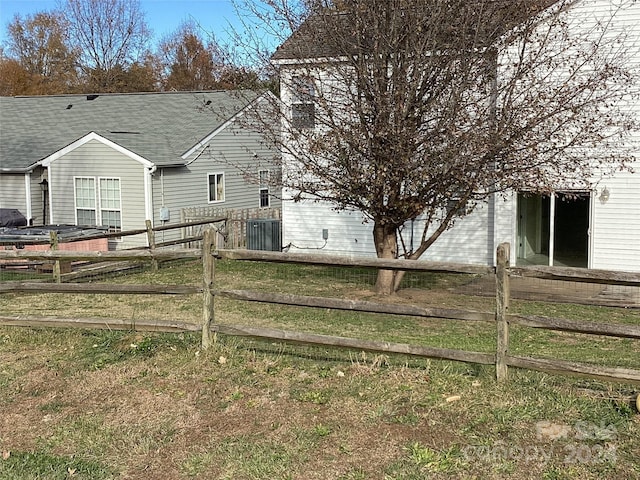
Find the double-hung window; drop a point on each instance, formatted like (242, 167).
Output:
(303, 114)
(85, 198)
(98, 202)
(264, 188)
(110, 213)
(216, 187)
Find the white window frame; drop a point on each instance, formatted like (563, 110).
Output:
(103, 209)
(75, 199)
(263, 181)
(224, 187)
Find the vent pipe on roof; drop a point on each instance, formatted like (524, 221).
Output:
(92, 97)
(69, 107)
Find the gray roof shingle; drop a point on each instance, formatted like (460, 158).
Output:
(159, 127)
(333, 33)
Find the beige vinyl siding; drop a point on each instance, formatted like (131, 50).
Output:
(37, 196)
(183, 187)
(12, 192)
(96, 160)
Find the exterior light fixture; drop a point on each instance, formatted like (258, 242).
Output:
(604, 195)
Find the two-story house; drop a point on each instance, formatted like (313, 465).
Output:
(595, 226)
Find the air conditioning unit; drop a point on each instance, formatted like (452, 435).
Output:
(264, 234)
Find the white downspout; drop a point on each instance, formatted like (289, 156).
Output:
(148, 193)
(50, 195)
(27, 192)
(552, 228)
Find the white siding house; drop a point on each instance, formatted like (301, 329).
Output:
(597, 228)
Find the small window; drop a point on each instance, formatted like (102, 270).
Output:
(303, 113)
(458, 210)
(264, 188)
(216, 187)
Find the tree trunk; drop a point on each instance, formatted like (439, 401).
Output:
(384, 236)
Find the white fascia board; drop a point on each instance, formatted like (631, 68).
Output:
(46, 162)
(309, 61)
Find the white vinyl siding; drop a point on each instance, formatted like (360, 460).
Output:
(349, 233)
(615, 231)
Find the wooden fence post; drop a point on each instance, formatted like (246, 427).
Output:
(53, 236)
(502, 307)
(151, 238)
(208, 278)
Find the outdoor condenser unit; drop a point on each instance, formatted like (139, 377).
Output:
(264, 234)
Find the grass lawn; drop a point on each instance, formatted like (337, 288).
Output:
(103, 404)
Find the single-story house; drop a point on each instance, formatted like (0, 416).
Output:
(594, 228)
(117, 160)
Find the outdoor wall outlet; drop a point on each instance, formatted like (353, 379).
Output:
(325, 233)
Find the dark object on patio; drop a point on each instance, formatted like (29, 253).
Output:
(11, 217)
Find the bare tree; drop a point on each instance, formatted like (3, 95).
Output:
(424, 109)
(111, 35)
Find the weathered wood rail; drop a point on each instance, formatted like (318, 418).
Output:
(502, 318)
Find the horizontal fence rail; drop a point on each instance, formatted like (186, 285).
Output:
(209, 255)
(353, 261)
(118, 255)
(358, 344)
(355, 305)
(53, 237)
(501, 317)
(105, 288)
(603, 277)
(99, 323)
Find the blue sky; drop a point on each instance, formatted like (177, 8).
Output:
(163, 16)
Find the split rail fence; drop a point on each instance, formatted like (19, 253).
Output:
(502, 358)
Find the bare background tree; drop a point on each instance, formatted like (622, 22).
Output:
(93, 46)
(110, 34)
(423, 109)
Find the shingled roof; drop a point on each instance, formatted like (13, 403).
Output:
(159, 127)
(332, 34)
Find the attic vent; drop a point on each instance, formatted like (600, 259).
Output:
(69, 107)
(92, 97)
(125, 132)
